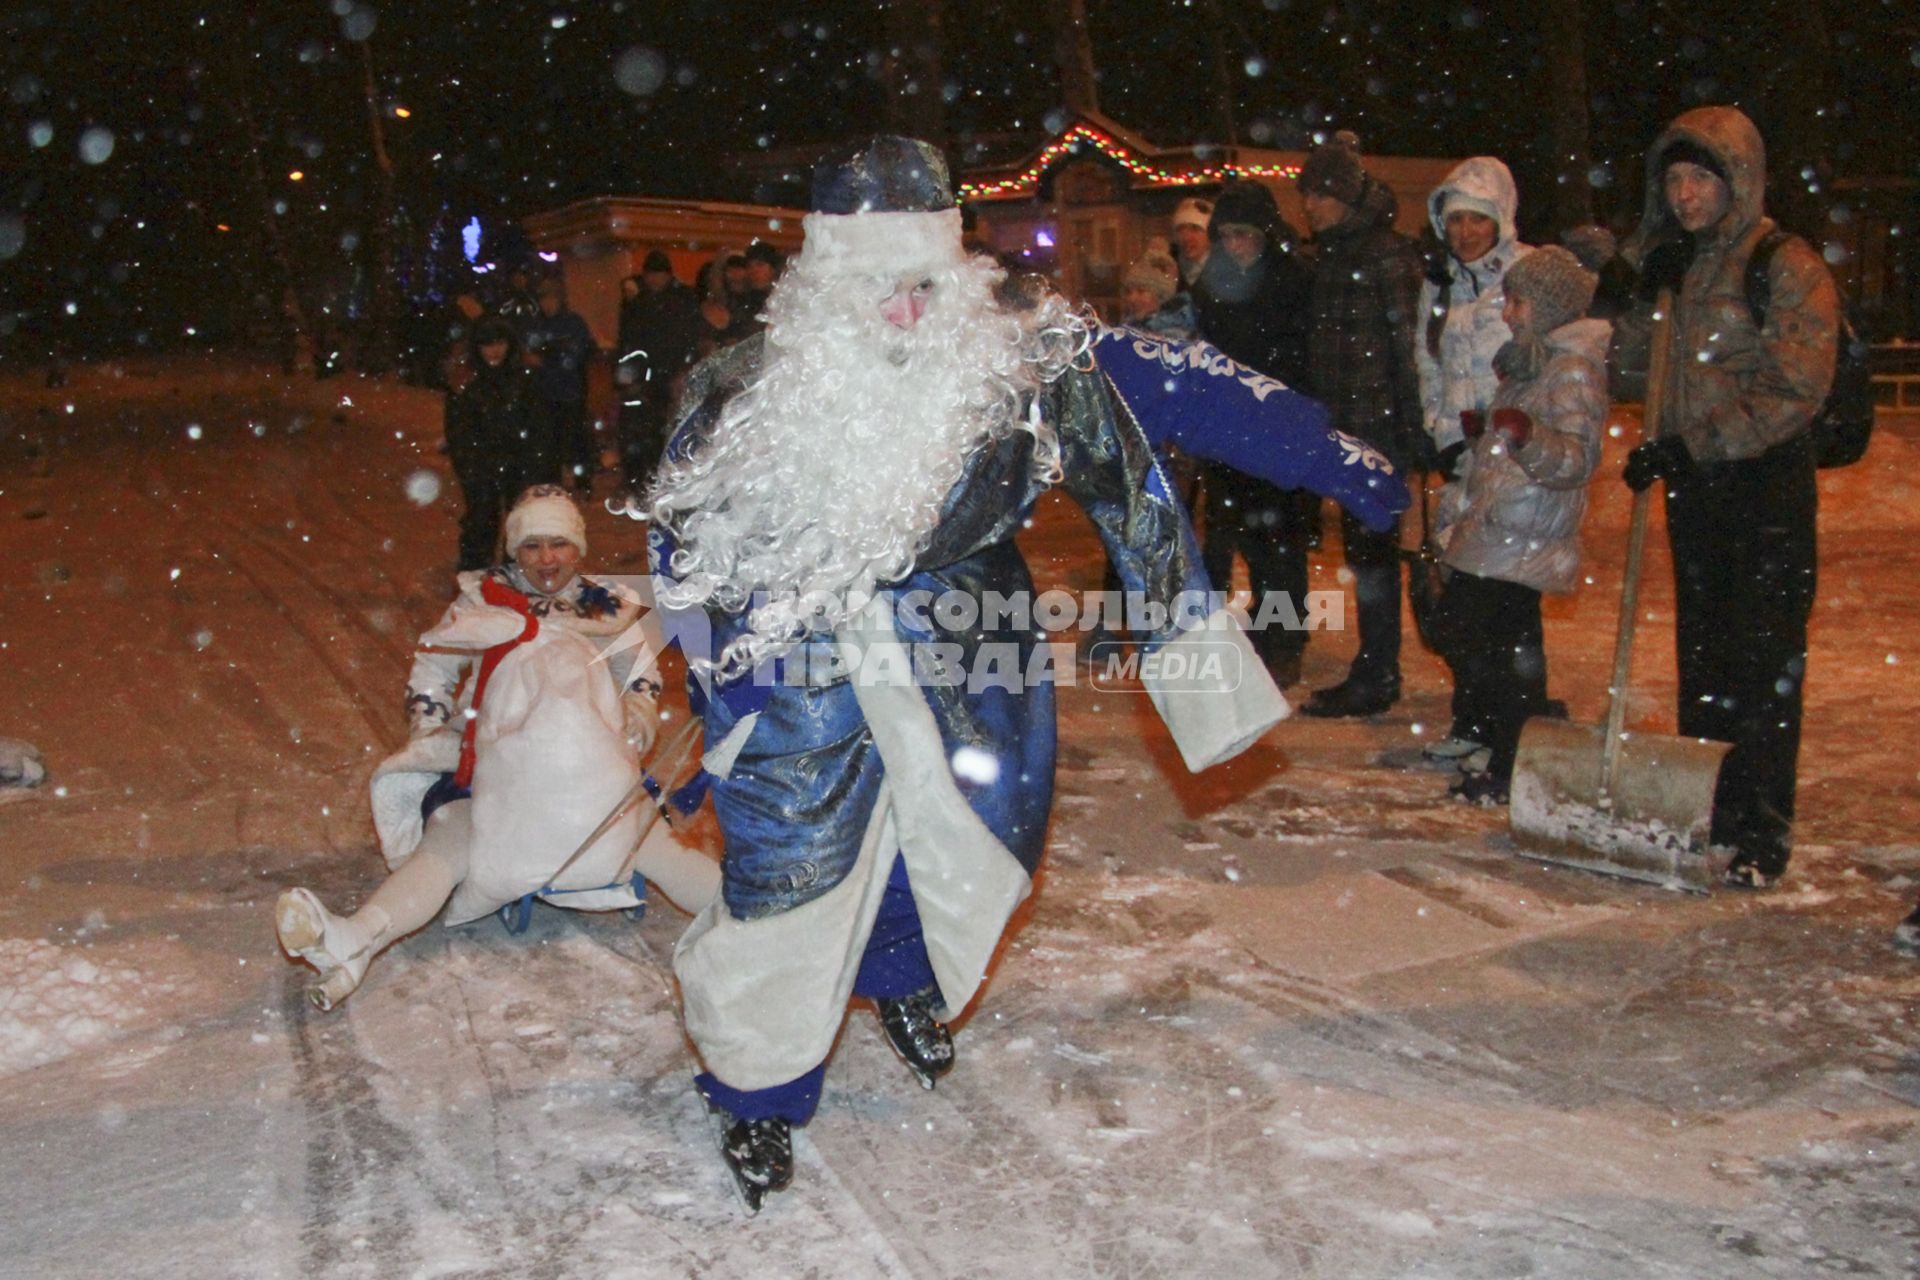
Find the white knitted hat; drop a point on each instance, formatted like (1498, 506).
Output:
(1193, 212)
(545, 511)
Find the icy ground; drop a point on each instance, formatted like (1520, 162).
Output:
(1295, 1017)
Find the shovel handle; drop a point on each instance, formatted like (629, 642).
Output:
(1636, 543)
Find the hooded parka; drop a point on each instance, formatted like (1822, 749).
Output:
(1741, 513)
(1460, 323)
(1734, 390)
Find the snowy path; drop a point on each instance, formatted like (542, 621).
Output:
(1296, 1017)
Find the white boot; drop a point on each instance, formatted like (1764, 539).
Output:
(339, 948)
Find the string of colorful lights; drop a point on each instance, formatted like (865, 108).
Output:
(1070, 143)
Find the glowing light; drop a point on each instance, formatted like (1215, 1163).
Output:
(549, 257)
(295, 176)
(470, 240)
(1081, 136)
(1044, 239)
(403, 113)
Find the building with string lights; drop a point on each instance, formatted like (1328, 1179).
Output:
(1094, 195)
(1078, 207)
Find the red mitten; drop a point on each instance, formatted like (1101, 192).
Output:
(1473, 422)
(1515, 425)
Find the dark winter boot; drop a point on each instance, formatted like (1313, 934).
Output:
(922, 1040)
(1907, 936)
(1751, 870)
(759, 1154)
(1353, 697)
(1481, 788)
(1284, 667)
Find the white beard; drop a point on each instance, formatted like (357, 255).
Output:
(826, 475)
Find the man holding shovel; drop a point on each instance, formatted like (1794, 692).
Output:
(1737, 454)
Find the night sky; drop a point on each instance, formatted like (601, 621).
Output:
(124, 155)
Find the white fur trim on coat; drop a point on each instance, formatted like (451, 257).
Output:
(883, 244)
(764, 998)
(401, 782)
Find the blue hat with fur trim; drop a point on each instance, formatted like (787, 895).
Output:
(884, 174)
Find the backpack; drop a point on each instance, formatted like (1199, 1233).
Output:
(1844, 423)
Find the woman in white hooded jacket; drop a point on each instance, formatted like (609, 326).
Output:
(1461, 328)
(532, 701)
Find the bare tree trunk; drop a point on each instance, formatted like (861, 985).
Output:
(295, 331)
(1798, 122)
(376, 348)
(913, 70)
(1566, 44)
(1073, 54)
(1216, 24)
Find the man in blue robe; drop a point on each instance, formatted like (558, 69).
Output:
(841, 496)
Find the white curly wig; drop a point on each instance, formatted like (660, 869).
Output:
(825, 475)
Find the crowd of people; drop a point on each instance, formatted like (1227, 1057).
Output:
(823, 439)
(517, 377)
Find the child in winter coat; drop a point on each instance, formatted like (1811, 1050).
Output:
(531, 706)
(1510, 527)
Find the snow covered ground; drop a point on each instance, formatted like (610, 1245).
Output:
(1295, 1017)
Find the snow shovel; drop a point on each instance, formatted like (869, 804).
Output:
(1596, 797)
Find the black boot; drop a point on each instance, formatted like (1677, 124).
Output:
(922, 1040)
(1353, 696)
(759, 1154)
(1755, 870)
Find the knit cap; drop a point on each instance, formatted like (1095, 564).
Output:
(1333, 169)
(1592, 243)
(545, 511)
(1193, 212)
(1247, 203)
(1686, 151)
(1552, 281)
(1155, 272)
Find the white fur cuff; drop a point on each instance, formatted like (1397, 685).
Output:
(1213, 692)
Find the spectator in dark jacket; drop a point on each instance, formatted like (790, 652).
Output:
(498, 438)
(1736, 451)
(763, 268)
(1252, 301)
(660, 331)
(514, 300)
(1366, 301)
(722, 288)
(560, 347)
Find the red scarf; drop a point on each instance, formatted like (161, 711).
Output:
(492, 591)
